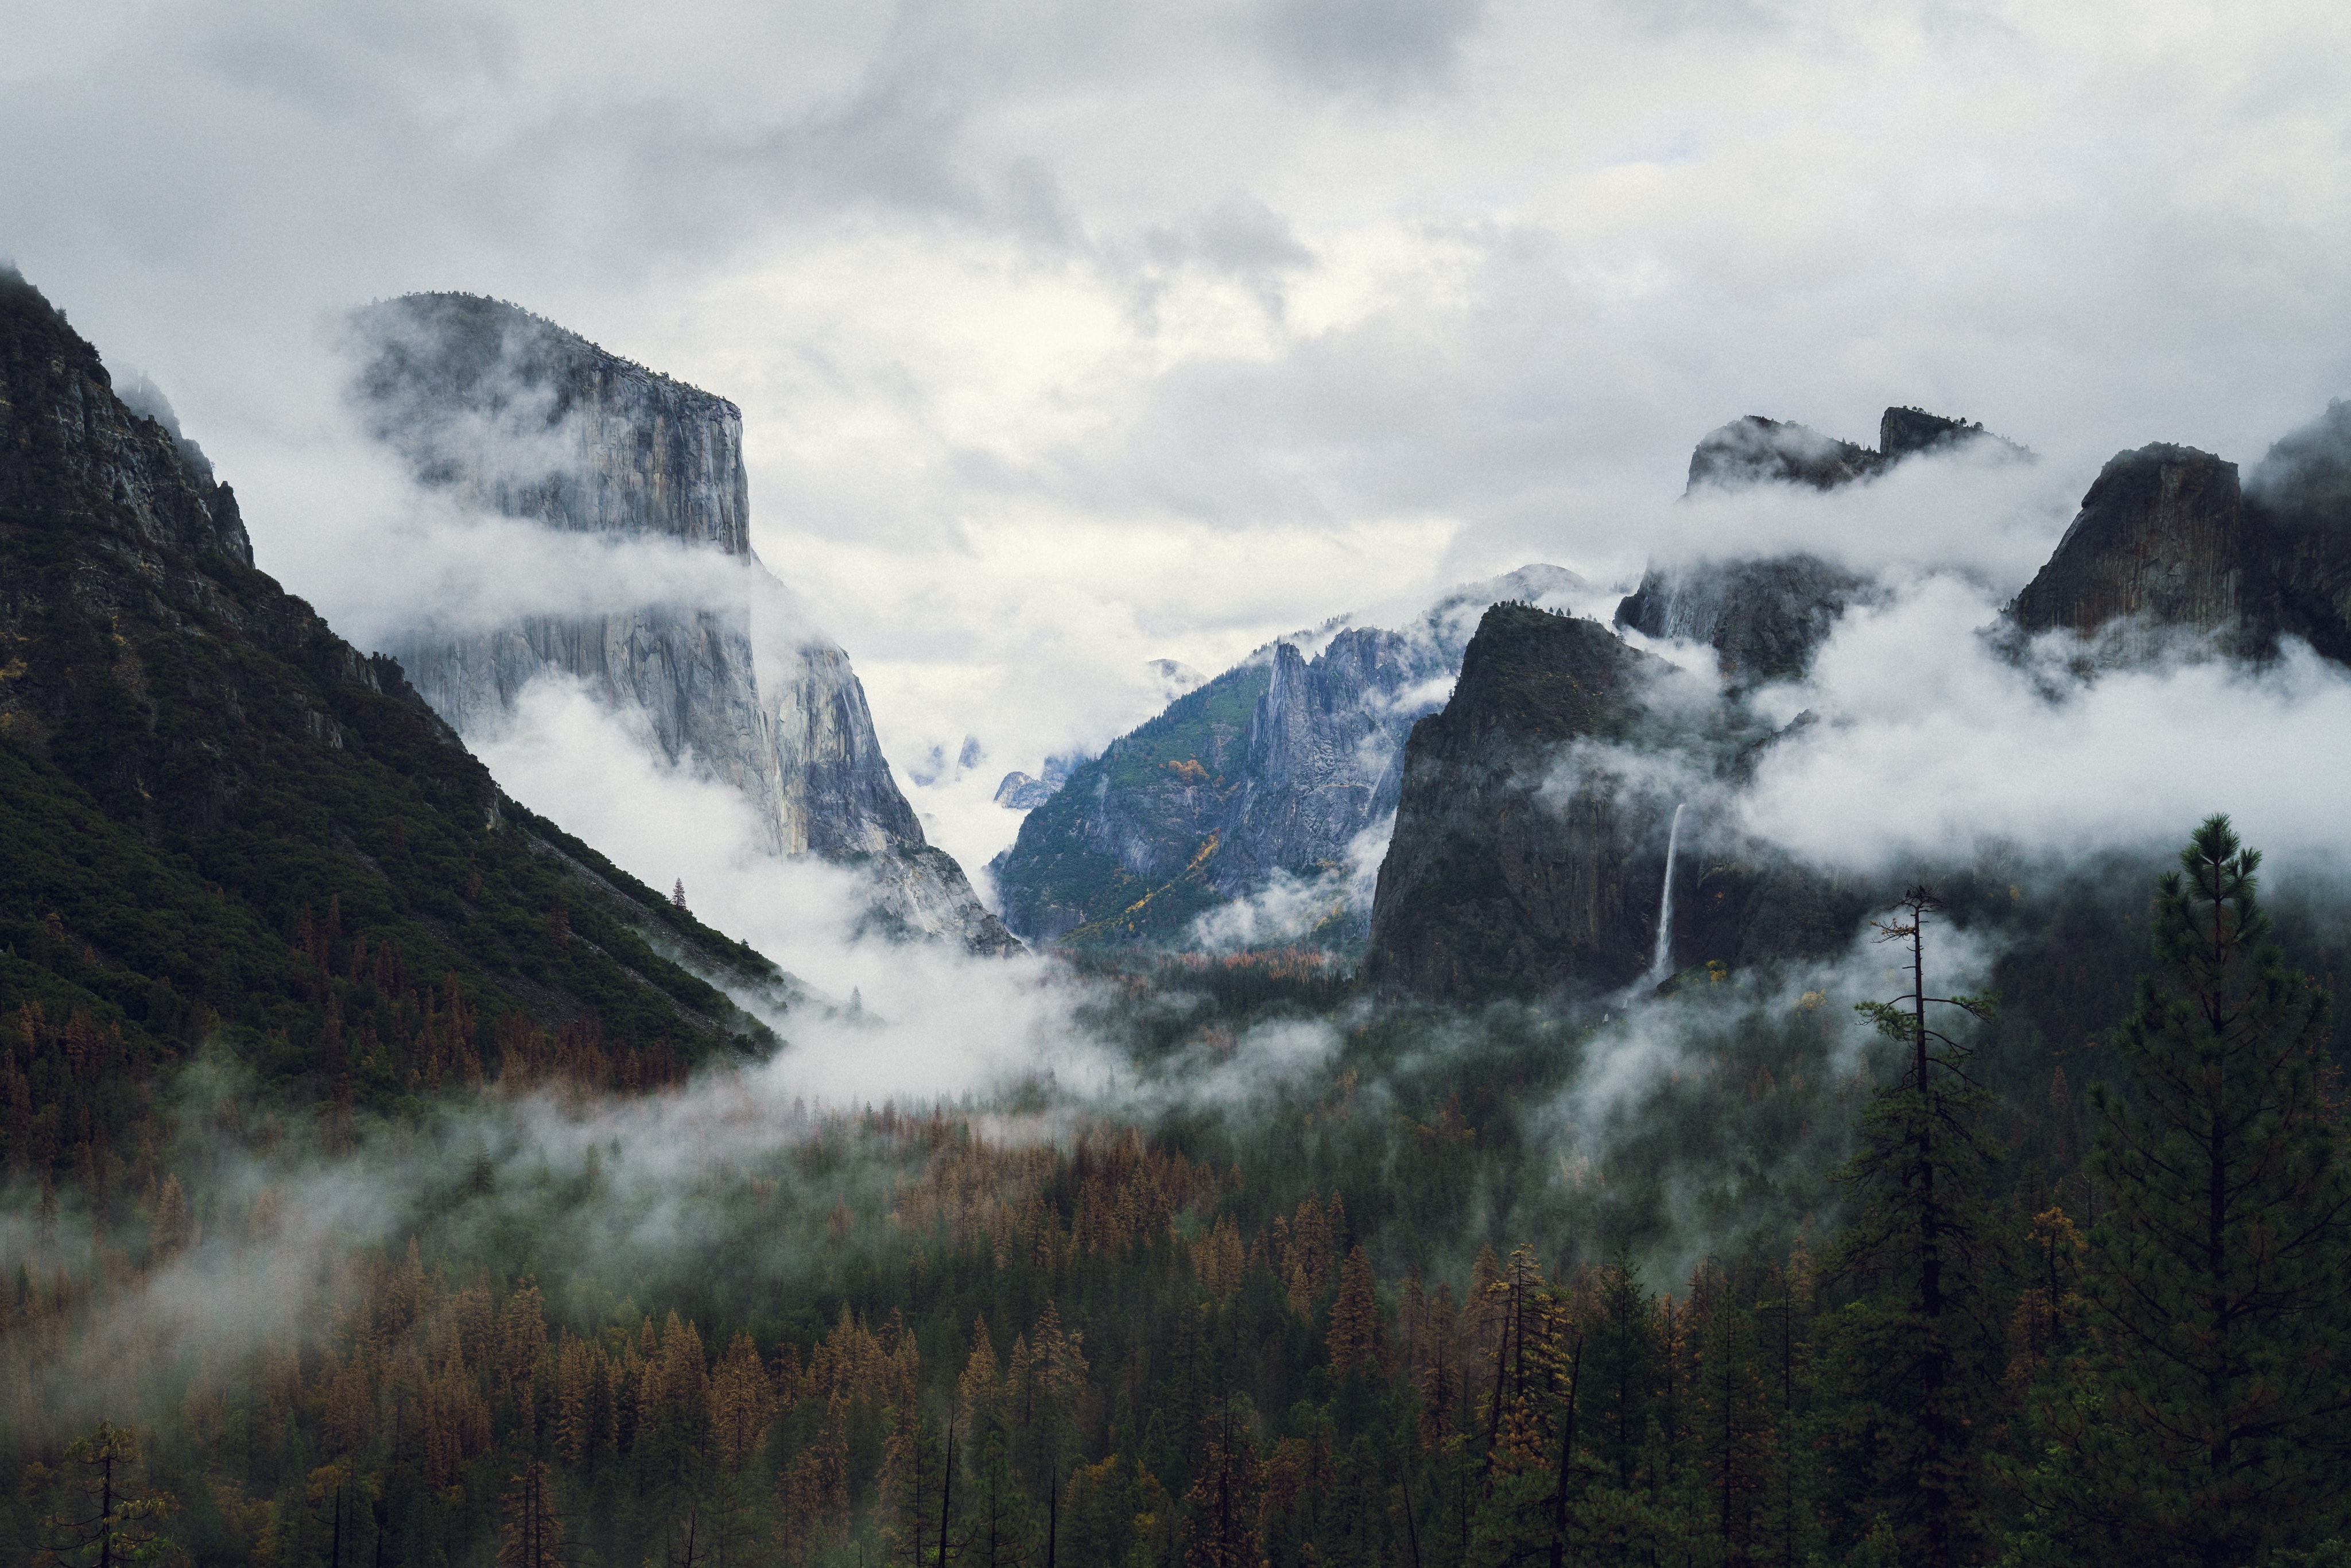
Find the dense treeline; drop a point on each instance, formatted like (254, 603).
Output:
(2092, 1324)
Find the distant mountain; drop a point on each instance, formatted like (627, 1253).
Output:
(1021, 792)
(224, 826)
(1267, 777)
(515, 417)
(1766, 616)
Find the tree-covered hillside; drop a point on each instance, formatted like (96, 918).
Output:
(1143, 872)
(221, 824)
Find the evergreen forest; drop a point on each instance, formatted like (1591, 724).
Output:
(1894, 1279)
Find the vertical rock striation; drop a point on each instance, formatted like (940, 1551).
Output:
(509, 415)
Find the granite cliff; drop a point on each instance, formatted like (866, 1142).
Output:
(1269, 776)
(509, 415)
(1531, 833)
(2169, 546)
(1529, 841)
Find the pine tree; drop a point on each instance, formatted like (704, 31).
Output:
(742, 1401)
(2212, 1420)
(1623, 1355)
(533, 1533)
(106, 1519)
(1355, 1318)
(1916, 1345)
(1220, 1525)
(1733, 1422)
(977, 1401)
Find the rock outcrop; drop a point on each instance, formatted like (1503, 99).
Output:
(1322, 760)
(1530, 839)
(509, 415)
(2299, 496)
(1023, 792)
(1489, 887)
(2171, 551)
(1765, 617)
(1759, 451)
(2158, 549)
(1271, 775)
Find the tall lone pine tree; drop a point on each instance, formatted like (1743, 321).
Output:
(1917, 1340)
(2207, 1423)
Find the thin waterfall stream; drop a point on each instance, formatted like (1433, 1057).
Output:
(1661, 967)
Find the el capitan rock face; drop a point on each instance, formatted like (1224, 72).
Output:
(511, 415)
(191, 759)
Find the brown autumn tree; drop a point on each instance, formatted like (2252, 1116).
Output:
(533, 1533)
(1355, 1338)
(742, 1401)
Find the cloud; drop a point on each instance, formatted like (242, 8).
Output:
(1335, 902)
(1382, 44)
(930, 1020)
(1933, 747)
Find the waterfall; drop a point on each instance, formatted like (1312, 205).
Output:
(1661, 967)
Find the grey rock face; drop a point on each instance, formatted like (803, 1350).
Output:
(1487, 888)
(2157, 549)
(1758, 451)
(1764, 618)
(1322, 755)
(1525, 861)
(513, 415)
(2168, 542)
(2298, 498)
(1020, 792)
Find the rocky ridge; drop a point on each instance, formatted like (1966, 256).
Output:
(1528, 858)
(1531, 834)
(2171, 551)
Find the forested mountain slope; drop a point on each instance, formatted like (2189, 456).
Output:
(220, 822)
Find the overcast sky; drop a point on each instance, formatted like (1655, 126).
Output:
(1070, 336)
